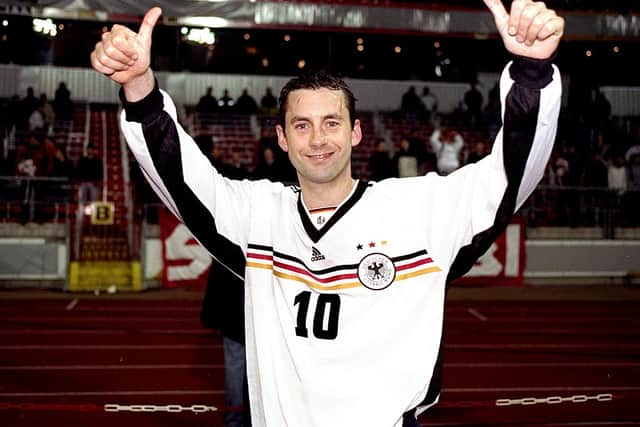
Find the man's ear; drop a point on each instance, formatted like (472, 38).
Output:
(356, 133)
(282, 139)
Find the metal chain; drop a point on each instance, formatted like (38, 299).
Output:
(552, 400)
(114, 407)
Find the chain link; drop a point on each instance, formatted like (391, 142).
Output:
(114, 407)
(553, 400)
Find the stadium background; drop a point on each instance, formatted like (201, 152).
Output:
(382, 48)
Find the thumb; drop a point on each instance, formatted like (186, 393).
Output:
(500, 14)
(148, 22)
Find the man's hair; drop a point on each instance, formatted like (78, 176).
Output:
(317, 80)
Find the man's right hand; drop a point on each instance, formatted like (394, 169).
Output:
(125, 56)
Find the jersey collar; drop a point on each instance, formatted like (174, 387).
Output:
(316, 234)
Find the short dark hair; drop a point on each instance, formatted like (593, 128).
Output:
(317, 79)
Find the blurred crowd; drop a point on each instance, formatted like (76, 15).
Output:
(595, 153)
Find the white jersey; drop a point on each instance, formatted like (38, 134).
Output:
(344, 322)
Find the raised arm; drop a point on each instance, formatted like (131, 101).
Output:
(215, 210)
(491, 190)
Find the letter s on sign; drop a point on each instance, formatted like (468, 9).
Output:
(180, 245)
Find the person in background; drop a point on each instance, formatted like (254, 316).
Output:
(246, 104)
(269, 103)
(207, 104)
(380, 163)
(447, 145)
(473, 101)
(89, 175)
(430, 104)
(406, 161)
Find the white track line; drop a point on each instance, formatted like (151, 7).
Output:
(539, 389)
(221, 392)
(106, 331)
(116, 393)
(72, 304)
(112, 347)
(544, 365)
(108, 367)
(475, 313)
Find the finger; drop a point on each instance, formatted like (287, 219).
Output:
(498, 11)
(514, 16)
(117, 47)
(537, 25)
(148, 23)
(125, 43)
(106, 62)
(99, 67)
(553, 27)
(527, 17)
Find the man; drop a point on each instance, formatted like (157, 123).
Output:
(344, 280)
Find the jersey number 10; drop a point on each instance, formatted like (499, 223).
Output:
(325, 319)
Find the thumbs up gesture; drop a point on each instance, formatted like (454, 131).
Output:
(124, 55)
(529, 29)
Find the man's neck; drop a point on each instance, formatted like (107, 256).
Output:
(317, 196)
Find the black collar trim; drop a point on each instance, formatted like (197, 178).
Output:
(316, 234)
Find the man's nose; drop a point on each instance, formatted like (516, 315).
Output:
(319, 136)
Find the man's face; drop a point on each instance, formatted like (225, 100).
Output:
(318, 136)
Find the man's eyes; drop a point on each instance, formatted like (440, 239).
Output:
(305, 125)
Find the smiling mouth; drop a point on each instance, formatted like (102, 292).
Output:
(323, 156)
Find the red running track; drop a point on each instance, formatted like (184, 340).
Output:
(123, 362)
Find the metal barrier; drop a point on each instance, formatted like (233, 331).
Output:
(611, 213)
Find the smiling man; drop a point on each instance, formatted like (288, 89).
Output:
(344, 280)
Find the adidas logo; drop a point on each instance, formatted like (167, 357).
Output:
(316, 255)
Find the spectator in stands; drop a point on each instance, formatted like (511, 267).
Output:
(28, 105)
(36, 120)
(478, 153)
(48, 112)
(447, 145)
(246, 104)
(57, 190)
(269, 139)
(11, 114)
(599, 110)
(473, 100)
(380, 163)
(595, 181)
(406, 161)
(62, 166)
(62, 104)
(269, 103)
(34, 159)
(617, 174)
(42, 118)
(233, 169)
(268, 166)
(89, 174)
(208, 103)
(618, 185)
(632, 205)
(410, 104)
(225, 103)
(429, 104)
